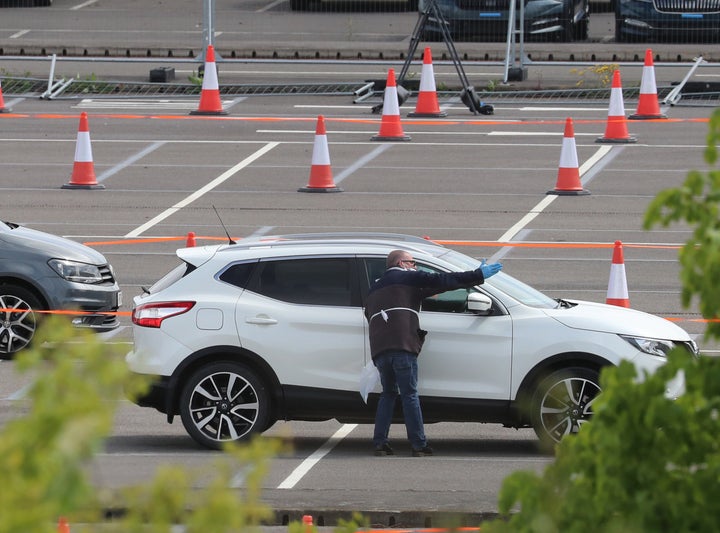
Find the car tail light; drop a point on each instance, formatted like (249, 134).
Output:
(152, 315)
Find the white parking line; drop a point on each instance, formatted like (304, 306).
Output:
(84, 4)
(311, 461)
(19, 34)
(200, 192)
(542, 204)
(129, 161)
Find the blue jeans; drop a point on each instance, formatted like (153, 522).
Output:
(399, 372)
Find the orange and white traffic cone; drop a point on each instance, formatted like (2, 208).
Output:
(83, 174)
(568, 178)
(617, 293)
(307, 521)
(427, 105)
(63, 526)
(210, 103)
(3, 109)
(616, 129)
(321, 178)
(648, 106)
(390, 126)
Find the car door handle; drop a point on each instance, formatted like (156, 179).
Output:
(262, 320)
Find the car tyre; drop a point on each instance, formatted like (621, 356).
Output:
(562, 403)
(224, 402)
(18, 319)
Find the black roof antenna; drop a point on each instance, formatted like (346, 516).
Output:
(230, 239)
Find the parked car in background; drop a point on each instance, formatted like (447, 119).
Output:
(43, 272)
(241, 335)
(469, 20)
(302, 5)
(685, 20)
(25, 3)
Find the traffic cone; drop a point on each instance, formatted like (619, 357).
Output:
(427, 103)
(190, 240)
(617, 293)
(616, 129)
(648, 105)
(83, 174)
(390, 127)
(321, 179)
(568, 178)
(210, 103)
(3, 109)
(307, 521)
(63, 525)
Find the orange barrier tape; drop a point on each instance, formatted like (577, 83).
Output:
(540, 244)
(122, 116)
(68, 312)
(501, 244)
(152, 240)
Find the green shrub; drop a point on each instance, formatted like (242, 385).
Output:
(76, 383)
(645, 462)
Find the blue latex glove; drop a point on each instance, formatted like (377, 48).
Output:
(490, 270)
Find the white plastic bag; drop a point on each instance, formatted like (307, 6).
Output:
(369, 380)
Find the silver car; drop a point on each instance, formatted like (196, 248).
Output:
(41, 273)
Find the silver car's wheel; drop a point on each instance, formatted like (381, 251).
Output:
(563, 402)
(18, 321)
(224, 402)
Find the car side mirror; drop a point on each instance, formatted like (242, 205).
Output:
(478, 302)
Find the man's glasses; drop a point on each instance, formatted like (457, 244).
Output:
(411, 261)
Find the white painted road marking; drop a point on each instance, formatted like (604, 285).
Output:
(200, 192)
(311, 461)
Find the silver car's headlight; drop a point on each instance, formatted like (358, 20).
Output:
(77, 272)
(659, 347)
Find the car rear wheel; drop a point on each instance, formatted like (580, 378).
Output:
(18, 319)
(563, 402)
(224, 402)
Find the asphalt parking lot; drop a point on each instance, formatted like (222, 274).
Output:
(478, 183)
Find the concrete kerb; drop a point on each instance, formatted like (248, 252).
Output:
(580, 52)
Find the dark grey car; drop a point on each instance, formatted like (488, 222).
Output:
(43, 272)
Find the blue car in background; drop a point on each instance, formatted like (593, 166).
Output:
(478, 20)
(685, 20)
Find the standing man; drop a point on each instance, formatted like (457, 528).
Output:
(393, 313)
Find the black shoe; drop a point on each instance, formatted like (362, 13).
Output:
(422, 452)
(385, 449)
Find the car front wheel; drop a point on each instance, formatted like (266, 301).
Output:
(563, 402)
(18, 320)
(224, 402)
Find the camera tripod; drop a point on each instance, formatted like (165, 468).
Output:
(468, 96)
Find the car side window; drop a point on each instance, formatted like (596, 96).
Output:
(312, 281)
(238, 274)
(454, 301)
(447, 302)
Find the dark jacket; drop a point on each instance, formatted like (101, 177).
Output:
(394, 301)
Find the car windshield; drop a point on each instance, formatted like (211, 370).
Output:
(503, 282)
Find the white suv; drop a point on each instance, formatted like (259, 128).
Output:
(241, 335)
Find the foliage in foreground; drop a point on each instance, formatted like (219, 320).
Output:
(697, 202)
(46, 452)
(645, 462)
